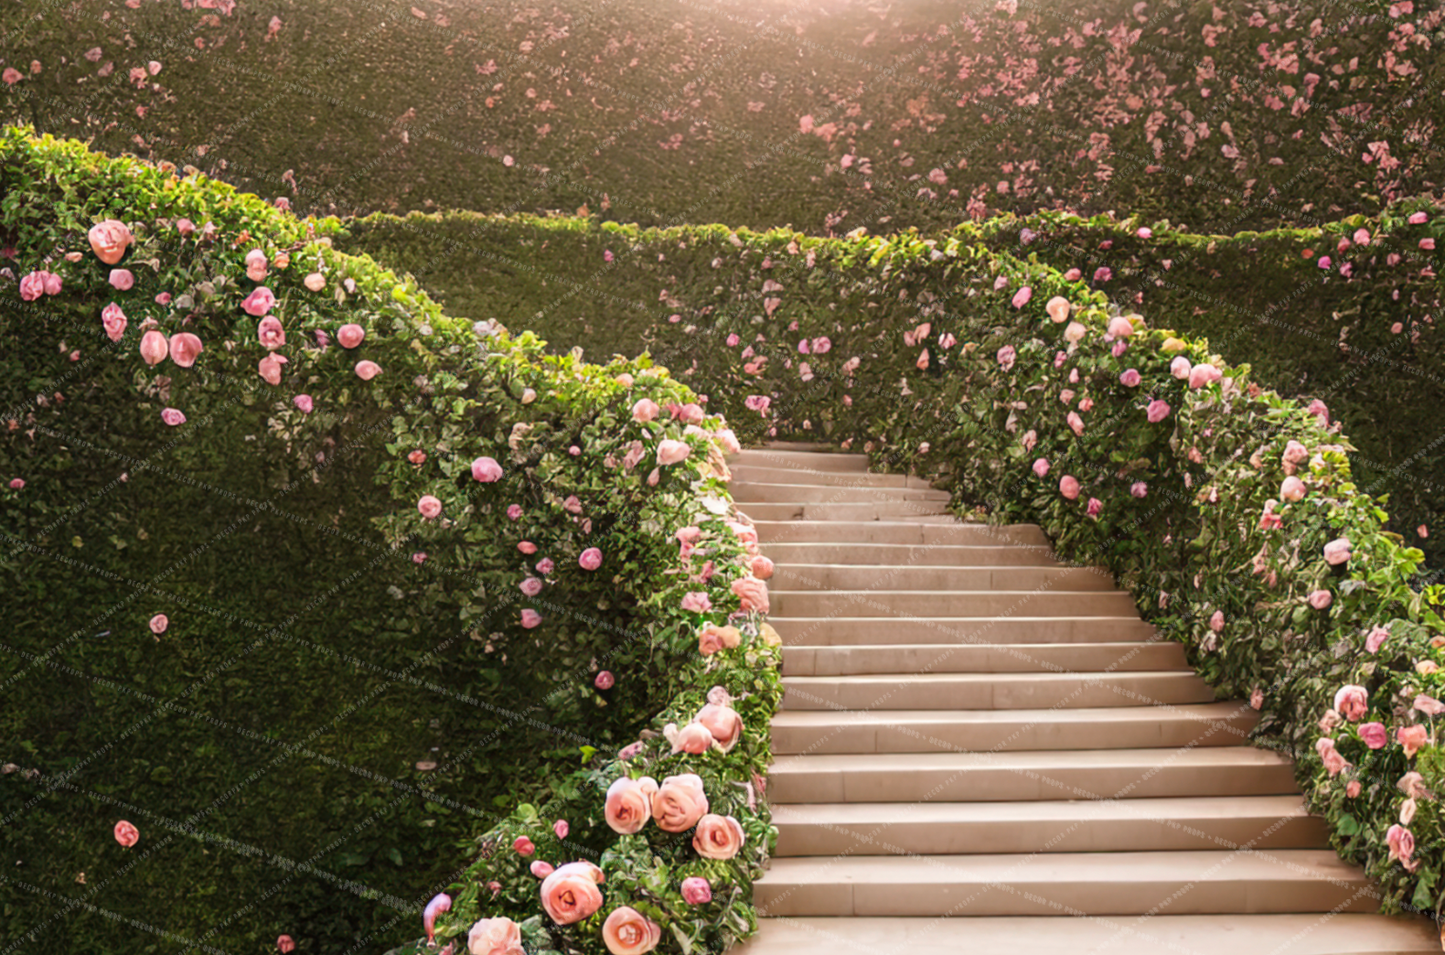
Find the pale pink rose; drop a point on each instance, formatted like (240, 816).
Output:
(1022, 296)
(692, 738)
(1270, 521)
(1041, 467)
(1058, 308)
(544, 566)
(259, 302)
(1130, 378)
(285, 944)
(1337, 551)
(645, 410)
(486, 470)
(628, 804)
(418, 557)
(1030, 439)
(1086, 404)
(1412, 784)
(367, 370)
(1295, 453)
(1094, 506)
(1320, 599)
(1069, 487)
(1411, 738)
(541, 869)
(1352, 788)
(1334, 762)
(1407, 811)
(495, 936)
(761, 567)
(1200, 375)
(1330, 720)
(1006, 357)
(1073, 275)
(314, 282)
(159, 623)
(922, 363)
(625, 380)
(126, 834)
(1144, 232)
(590, 559)
(679, 803)
(1119, 327)
(114, 321)
(523, 846)
(570, 893)
(1074, 332)
(758, 403)
(732, 341)
(605, 680)
(109, 240)
(440, 903)
(17, 484)
(627, 931)
(1292, 489)
(1076, 424)
(718, 837)
(1319, 410)
(514, 511)
(723, 723)
(1216, 621)
(270, 333)
(696, 601)
(1103, 273)
(173, 417)
(531, 618)
(1427, 245)
(32, 286)
(1428, 705)
(1351, 702)
(1180, 367)
(752, 593)
(692, 413)
(1376, 639)
(153, 347)
(122, 279)
(696, 890)
(1157, 411)
(184, 348)
(1373, 735)
(304, 402)
(11, 76)
(350, 335)
(822, 345)
(1402, 845)
(729, 441)
(1139, 489)
(429, 506)
(1256, 698)
(711, 638)
(671, 452)
(269, 368)
(531, 586)
(164, 298)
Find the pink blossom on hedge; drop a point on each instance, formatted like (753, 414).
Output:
(1022, 296)
(486, 469)
(1337, 551)
(1362, 236)
(419, 557)
(1094, 507)
(822, 345)
(1067, 395)
(1402, 845)
(304, 402)
(439, 904)
(259, 302)
(1103, 273)
(367, 370)
(545, 565)
(679, 802)
(1058, 308)
(604, 680)
(1376, 639)
(114, 321)
(1158, 410)
(1351, 702)
(1270, 521)
(1324, 262)
(1256, 698)
(530, 618)
(269, 368)
(541, 869)
(285, 944)
(1130, 378)
(270, 332)
(1180, 367)
(1427, 245)
(1006, 357)
(1041, 467)
(122, 279)
(1216, 621)
(1292, 489)
(1295, 453)
(1352, 788)
(159, 623)
(530, 586)
(1373, 735)
(1418, 218)
(1428, 705)
(523, 846)
(1201, 375)
(1412, 738)
(672, 452)
(1139, 489)
(693, 738)
(126, 833)
(1076, 424)
(1334, 762)
(1073, 275)
(1144, 232)
(732, 340)
(527, 547)
(514, 511)
(109, 239)
(696, 890)
(1119, 327)
(1320, 599)
(173, 417)
(350, 335)
(696, 601)
(153, 347)
(1069, 487)
(1074, 332)
(429, 506)
(184, 349)
(752, 593)
(761, 567)
(17, 484)
(590, 559)
(1319, 410)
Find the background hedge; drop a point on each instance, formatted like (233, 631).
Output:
(1220, 116)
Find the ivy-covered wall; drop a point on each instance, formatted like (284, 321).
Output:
(1218, 116)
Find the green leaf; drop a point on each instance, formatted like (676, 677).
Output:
(1347, 825)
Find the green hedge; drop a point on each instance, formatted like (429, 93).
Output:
(346, 692)
(1224, 116)
(1256, 297)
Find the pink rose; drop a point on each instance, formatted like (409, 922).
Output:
(530, 586)
(109, 239)
(679, 803)
(1139, 489)
(1180, 367)
(671, 452)
(1292, 489)
(285, 944)
(51, 282)
(1076, 424)
(1411, 738)
(605, 680)
(1200, 375)
(696, 601)
(541, 869)
(1074, 332)
(122, 279)
(1087, 404)
(1295, 453)
(531, 618)
(696, 890)
(1103, 273)
(514, 511)
(495, 936)
(1119, 327)
(645, 410)
(732, 341)
(545, 565)
(159, 623)
(126, 834)
(627, 931)
(1270, 521)
(1428, 705)
(1330, 720)
(17, 484)
(32, 286)
(1319, 410)
(1006, 357)
(590, 559)
(1058, 308)
(822, 345)
(1041, 467)
(1256, 698)
(523, 846)
(1334, 762)
(753, 593)
(429, 506)
(1094, 507)
(1021, 297)
(185, 348)
(1402, 846)
(1073, 275)
(269, 368)
(1376, 639)
(367, 370)
(570, 893)
(1216, 621)
(1373, 735)
(439, 904)
(1069, 487)
(350, 335)
(173, 417)
(1337, 551)
(114, 321)
(153, 347)
(270, 333)
(711, 638)
(1427, 245)
(723, 723)
(1320, 599)
(761, 567)
(259, 302)
(486, 470)
(1351, 701)
(628, 804)
(758, 403)
(717, 837)
(1158, 410)
(1352, 788)
(1130, 378)
(693, 738)
(304, 402)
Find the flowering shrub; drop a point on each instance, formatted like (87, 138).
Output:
(272, 491)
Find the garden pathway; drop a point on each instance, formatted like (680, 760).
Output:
(973, 729)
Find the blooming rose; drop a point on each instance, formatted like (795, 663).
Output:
(350, 335)
(184, 349)
(1041, 467)
(761, 567)
(570, 893)
(628, 932)
(173, 417)
(1139, 489)
(590, 559)
(153, 347)
(1180, 367)
(1352, 788)
(1094, 507)
(545, 565)
(32, 286)
(1022, 296)
(1402, 846)
(114, 321)
(269, 368)
(1076, 424)
(1074, 332)
(696, 601)
(109, 240)
(1006, 357)
(1216, 621)
(671, 452)
(712, 638)
(1201, 375)
(1411, 738)
(17, 484)
(628, 804)
(429, 506)
(531, 618)
(1058, 308)
(1330, 720)
(1376, 639)
(367, 370)
(541, 869)
(1292, 489)
(1337, 551)
(1351, 701)
(1158, 410)
(729, 441)
(1295, 453)
(1119, 327)
(753, 594)
(679, 803)
(625, 380)
(1320, 599)
(645, 410)
(696, 890)
(159, 623)
(314, 282)
(440, 903)
(122, 279)
(717, 837)
(1334, 762)
(1428, 705)
(605, 680)
(1130, 378)
(1373, 735)
(692, 738)
(259, 302)
(126, 834)
(723, 723)
(495, 936)
(486, 470)
(530, 586)
(1069, 487)
(523, 846)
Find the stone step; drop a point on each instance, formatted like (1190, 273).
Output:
(913, 555)
(785, 459)
(757, 492)
(745, 474)
(934, 731)
(1240, 770)
(897, 532)
(1234, 934)
(1110, 825)
(930, 603)
(847, 512)
(1018, 658)
(1078, 883)
(960, 631)
(997, 691)
(903, 577)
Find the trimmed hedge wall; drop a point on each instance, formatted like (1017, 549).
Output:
(1222, 116)
(311, 627)
(1256, 297)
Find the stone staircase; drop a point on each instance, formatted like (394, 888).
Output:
(981, 750)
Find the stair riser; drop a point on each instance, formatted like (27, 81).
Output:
(1023, 896)
(913, 555)
(896, 532)
(749, 494)
(823, 632)
(1149, 731)
(947, 579)
(746, 474)
(864, 511)
(800, 460)
(798, 785)
(1028, 603)
(1052, 835)
(886, 692)
(1057, 658)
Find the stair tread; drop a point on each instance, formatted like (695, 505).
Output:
(1202, 712)
(1028, 760)
(1010, 812)
(989, 678)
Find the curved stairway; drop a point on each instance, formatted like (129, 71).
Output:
(972, 730)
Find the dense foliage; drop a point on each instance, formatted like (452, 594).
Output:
(1226, 115)
(308, 583)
